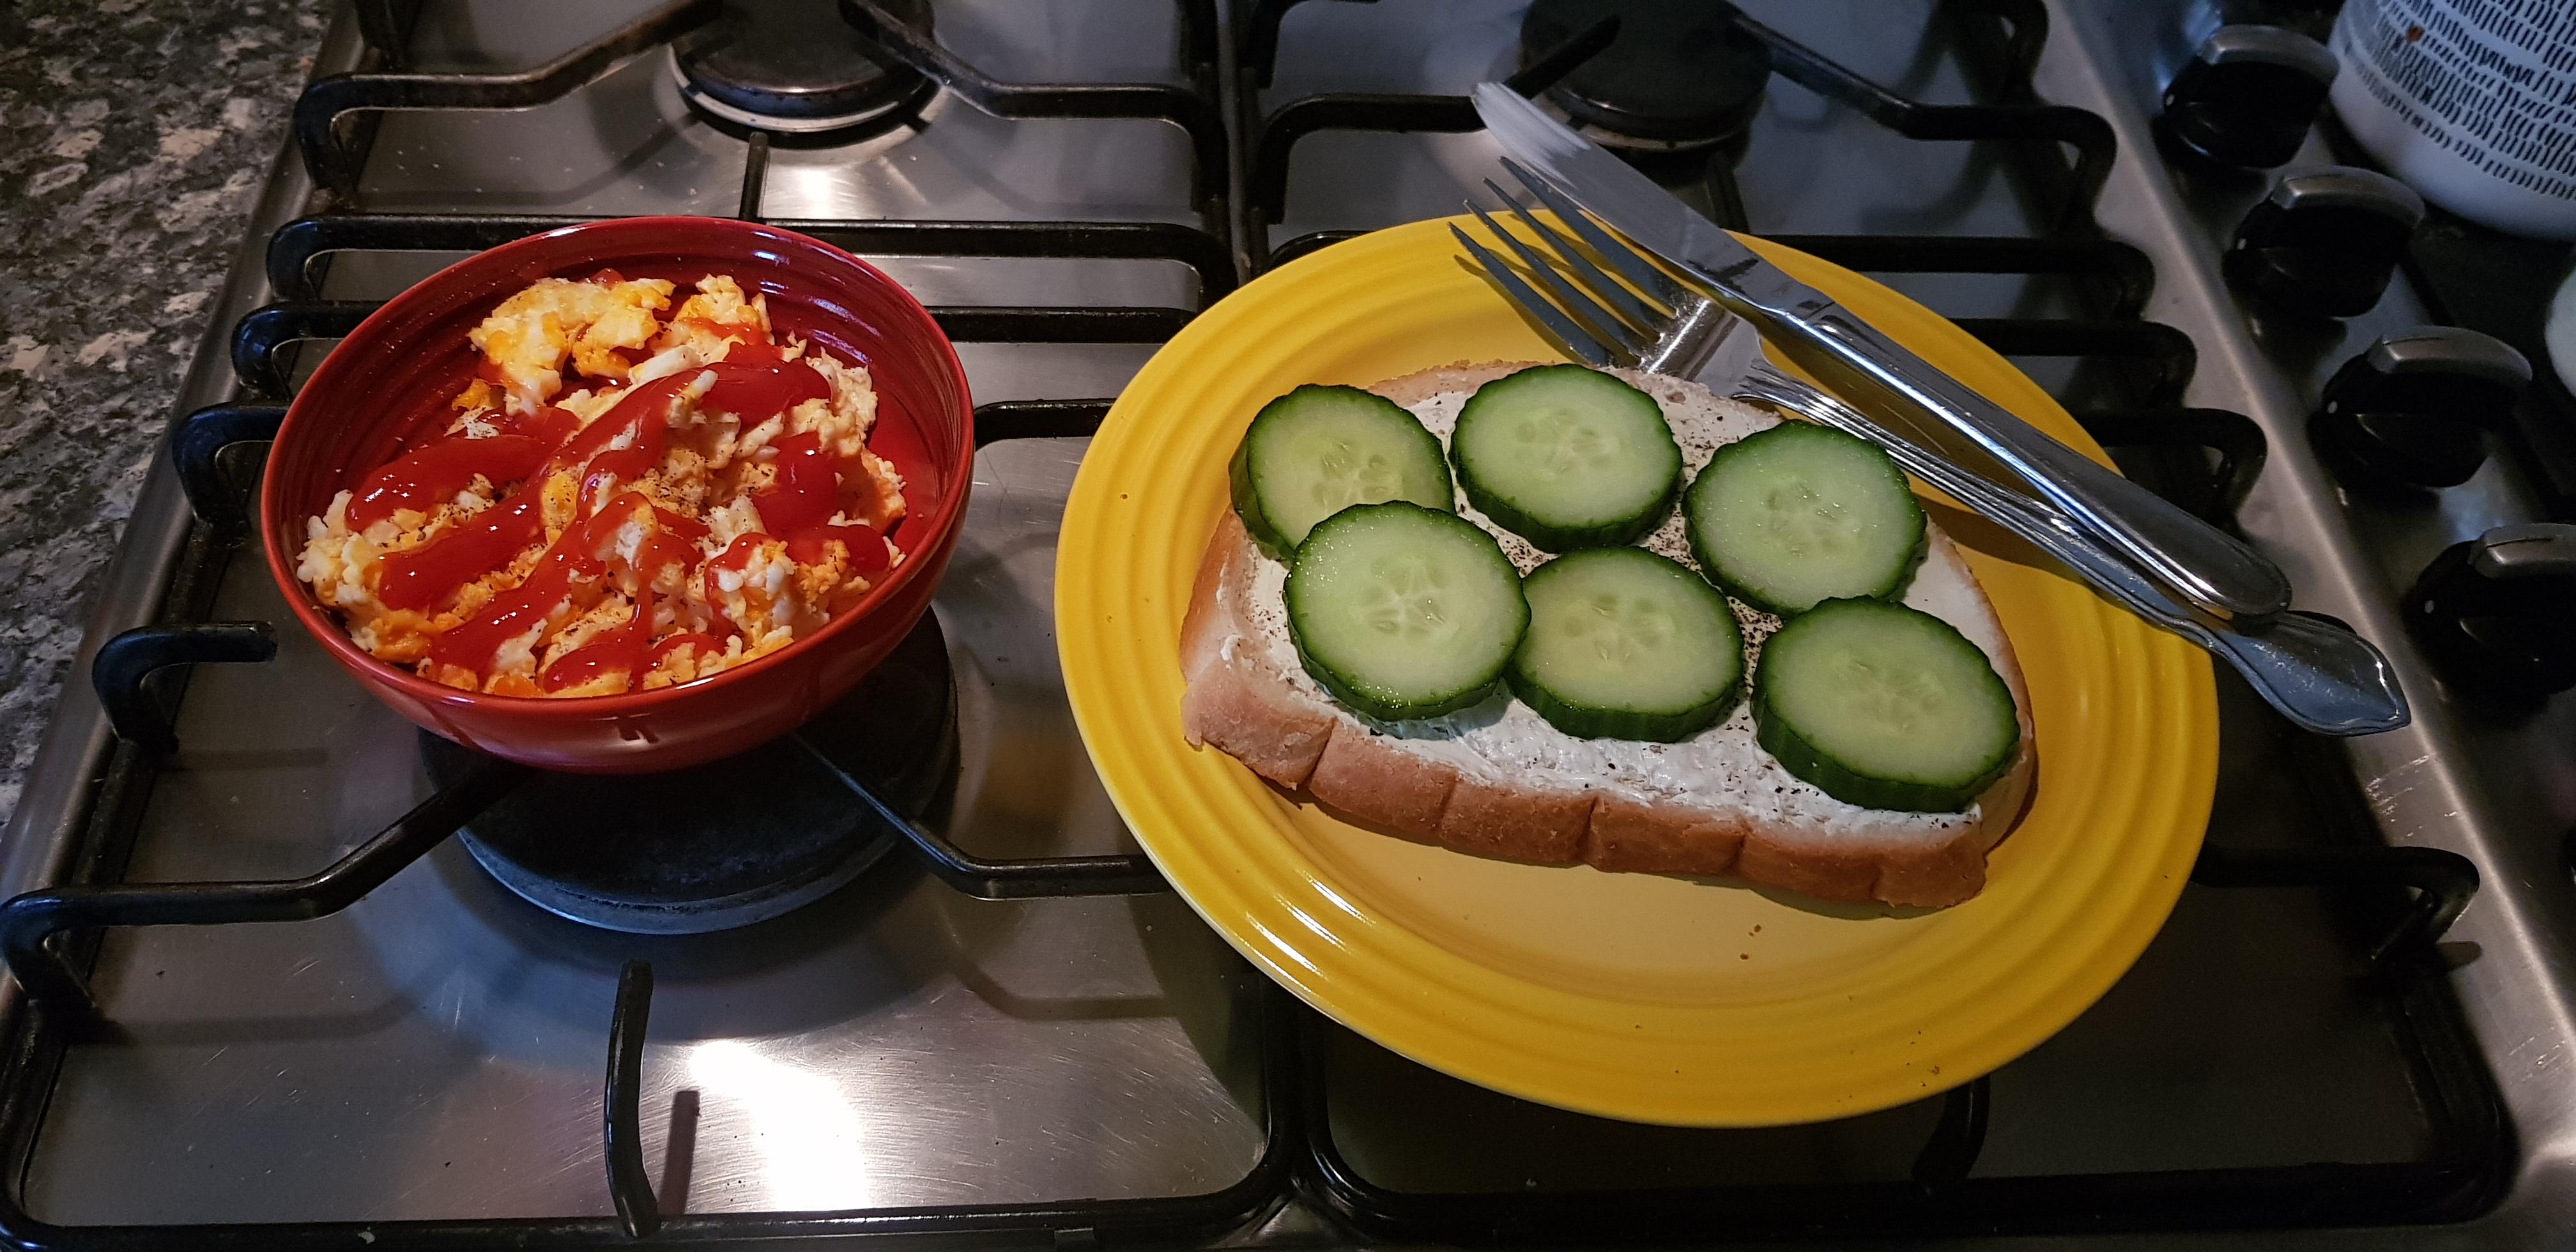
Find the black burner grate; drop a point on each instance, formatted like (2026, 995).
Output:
(796, 69)
(678, 853)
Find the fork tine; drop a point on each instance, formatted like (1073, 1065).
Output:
(1621, 257)
(1577, 342)
(1585, 273)
(1583, 307)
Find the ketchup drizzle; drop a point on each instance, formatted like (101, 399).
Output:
(805, 492)
(755, 391)
(433, 473)
(427, 576)
(614, 650)
(573, 562)
(551, 425)
(867, 548)
(734, 559)
(644, 410)
(753, 383)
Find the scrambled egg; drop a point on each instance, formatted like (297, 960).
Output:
(702, 495)
(531, 334)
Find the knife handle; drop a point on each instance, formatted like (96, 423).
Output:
(2204, 565)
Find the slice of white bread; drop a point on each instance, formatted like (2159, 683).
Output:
(1497, 781)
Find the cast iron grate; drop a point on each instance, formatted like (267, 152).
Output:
(334, 118)
(2076, 185)
(46, 936)
(1942, 1198)
(2205, 458)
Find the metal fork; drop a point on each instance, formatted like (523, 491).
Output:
(2318, 675)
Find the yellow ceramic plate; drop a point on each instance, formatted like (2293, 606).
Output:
(1627, 995)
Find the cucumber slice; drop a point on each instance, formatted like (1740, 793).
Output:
(1566, 457)
(1318, 450)
(1798, 514)
(1625, 644)
(1884, 706)
(1402, 611)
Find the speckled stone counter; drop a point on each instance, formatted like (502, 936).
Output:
(137, 134)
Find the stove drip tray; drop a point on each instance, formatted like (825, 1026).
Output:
(731, 842)
(794, 68)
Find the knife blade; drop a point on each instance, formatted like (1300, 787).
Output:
(2202, 564)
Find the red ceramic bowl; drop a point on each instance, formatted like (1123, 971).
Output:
(393, 377)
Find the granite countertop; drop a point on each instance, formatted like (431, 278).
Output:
(140, 132)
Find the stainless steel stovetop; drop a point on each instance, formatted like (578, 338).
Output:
(424, 1067)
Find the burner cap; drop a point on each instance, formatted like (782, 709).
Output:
(1679, 75)
(794, 67)
(734, 841)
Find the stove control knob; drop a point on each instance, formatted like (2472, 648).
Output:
(2415, 407)
(2493, 612)
(2326, 240)
(2248, 97)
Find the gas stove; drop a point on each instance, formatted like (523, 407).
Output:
(293, 975)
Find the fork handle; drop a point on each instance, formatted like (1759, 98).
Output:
(2207, 566)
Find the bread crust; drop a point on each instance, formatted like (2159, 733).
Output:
(1237, 705)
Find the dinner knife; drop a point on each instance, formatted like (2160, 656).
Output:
(2199, 562)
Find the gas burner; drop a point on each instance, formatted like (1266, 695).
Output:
(793, 67)
(1679, 75)
(731, 842)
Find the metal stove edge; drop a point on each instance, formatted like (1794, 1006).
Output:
(2515, 983)
(2520, 996)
